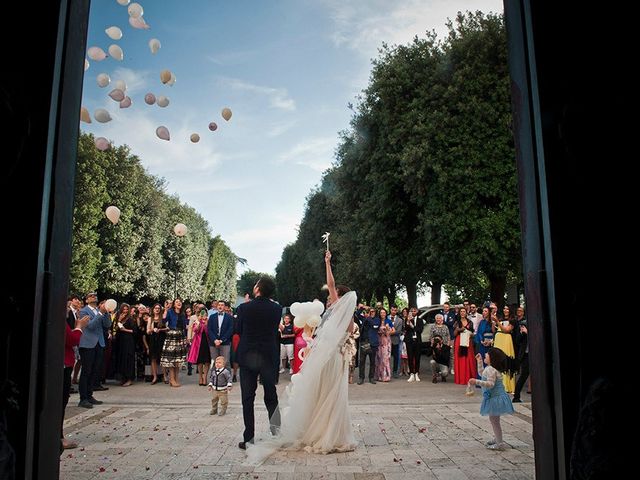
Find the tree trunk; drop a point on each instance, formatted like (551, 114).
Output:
(379, 294)
(436, 293)
(412, 294)
(497, 285)
(391, 295)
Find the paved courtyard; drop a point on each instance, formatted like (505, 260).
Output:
(405, 430)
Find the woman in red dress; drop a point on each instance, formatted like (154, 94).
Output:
(463, 356)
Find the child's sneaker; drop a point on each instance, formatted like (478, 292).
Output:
(497, 446)
(490, 442)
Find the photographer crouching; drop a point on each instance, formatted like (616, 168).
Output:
(440, 359)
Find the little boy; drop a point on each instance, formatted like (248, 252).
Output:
(220, 384)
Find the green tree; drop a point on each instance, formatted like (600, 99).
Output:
(220, 280)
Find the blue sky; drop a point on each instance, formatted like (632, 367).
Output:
(287, 69)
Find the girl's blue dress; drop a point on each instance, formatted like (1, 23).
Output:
(495, 401)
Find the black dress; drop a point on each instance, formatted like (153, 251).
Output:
(127, 351)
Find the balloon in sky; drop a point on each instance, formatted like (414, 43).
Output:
(96, 53)
(102, 144)
(116, 52)
(117, 94)
(154, 45)
(163, 101)
(226, 114)
(102, 116)
(120, 85)
(86, 64)
(172, 80)
(111, 305)
(180, 229)
(163, 133)
(165, 76)
(213, 126)
(149, 99)
(126, 102)
(135, 10)
(114, 33)
(84, 115)
(195, 138)
(138, 23)
(103, 80)
(123, 2)
(113, 214)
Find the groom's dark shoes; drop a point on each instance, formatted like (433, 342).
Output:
(243, 445)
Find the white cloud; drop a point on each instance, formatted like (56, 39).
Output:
(279, 128)
(262, 245)
(363, 26)
(278, 97)
(315, 153)
(137, 81)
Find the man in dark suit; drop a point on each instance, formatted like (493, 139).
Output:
(258, 354)
(220, 330)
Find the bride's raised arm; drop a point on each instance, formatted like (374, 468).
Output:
(331, 283)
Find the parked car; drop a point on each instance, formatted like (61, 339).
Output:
(428, 314)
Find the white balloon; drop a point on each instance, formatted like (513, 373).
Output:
(195, 138)
(149, 99)
(86, 64)
(114, 33)
(318, 307)
(103, 80)
(126, 102)
(135, 10)
(102, 116)
(96, 53)
(138, 23)
(163, 133)
(120, 85)
(299, 322)
(116, 52)
(162, 101)
(295, 309)
(111, 305)
(154, 45)
(180, 229)
(102, 144)
(124, 3)
(314, 320)
(113, 214)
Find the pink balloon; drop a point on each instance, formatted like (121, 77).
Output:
(213, 127)
(117, 94)
(126, 102)
(163, 133)
(102, 144)
(149, 99)
(139, 23)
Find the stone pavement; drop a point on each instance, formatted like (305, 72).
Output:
(417, 431)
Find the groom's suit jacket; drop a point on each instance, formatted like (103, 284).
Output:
(257, 326)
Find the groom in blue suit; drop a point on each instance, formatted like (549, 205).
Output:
(220, 331)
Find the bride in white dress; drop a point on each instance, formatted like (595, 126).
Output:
(316, 417)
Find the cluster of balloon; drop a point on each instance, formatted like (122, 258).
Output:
(136, 19)
(307, 317)
(163, 133)
(113, 214)
(111, 305)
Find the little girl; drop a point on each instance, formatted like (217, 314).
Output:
(495, 401)
(404, 366)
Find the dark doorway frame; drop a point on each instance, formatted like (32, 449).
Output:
(558, 156)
